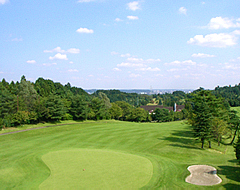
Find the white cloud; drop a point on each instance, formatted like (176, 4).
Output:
(136, 62)
(134, 75)
(219, 23)
(236, 32)
(31, 61)
(126, 55)
(114, 53)
(118, 20)
(150, 69)
(59, 50)
(215, 40)
(132, 17)
(233, 64)
(173, 70)
(59, 56)
(85, 30)
(133, 59)
(126, 64)
(134, 6)
(116, 69)
(49, 64)
(153, 60)
(3, 1)
(202, 55)
(73, 50)
(187, 62)
(182, 10)
(72, 70)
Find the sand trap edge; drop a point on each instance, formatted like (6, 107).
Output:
(203, 175)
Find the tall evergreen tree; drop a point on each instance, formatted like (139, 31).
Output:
(205, 107)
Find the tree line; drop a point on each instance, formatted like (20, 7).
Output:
(46, 101)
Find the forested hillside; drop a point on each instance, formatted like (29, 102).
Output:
(231, 94)
(45, 100)
(131, 98)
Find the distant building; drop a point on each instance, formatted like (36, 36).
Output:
(175, 108)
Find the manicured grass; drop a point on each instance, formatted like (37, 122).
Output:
(91, 168)
(25, 157)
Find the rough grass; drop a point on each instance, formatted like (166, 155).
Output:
(169, 146)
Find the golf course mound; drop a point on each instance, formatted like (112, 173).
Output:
(203, 175)
(96, 169)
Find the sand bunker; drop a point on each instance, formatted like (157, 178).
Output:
(203, 175)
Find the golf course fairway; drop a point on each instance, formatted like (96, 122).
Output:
(91, 168)
(111, 154)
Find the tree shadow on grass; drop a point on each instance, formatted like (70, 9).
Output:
(232, 173)
(231, 186)
(183, 139)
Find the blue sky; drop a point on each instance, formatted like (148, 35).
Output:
(122, 44)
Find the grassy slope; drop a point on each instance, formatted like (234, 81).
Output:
(169, 146)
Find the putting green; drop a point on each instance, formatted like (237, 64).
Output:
(96, 169)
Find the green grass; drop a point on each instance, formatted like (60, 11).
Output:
(236, 109)
(25, 161)
(91, 168)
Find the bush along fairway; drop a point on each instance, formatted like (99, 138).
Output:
(111, 155)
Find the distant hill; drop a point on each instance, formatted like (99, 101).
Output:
(144, 91)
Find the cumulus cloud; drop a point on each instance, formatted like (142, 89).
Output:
(114, 53)
(59, 50)
(220, 23)
(233, 64)
(73, 50)
(182, 10)
(186, 62)
(132, 17)
(127, 64)
(133, 59)
(215, 40)
(202, 55)
(140, 60)
(49, 64)
(126, 55)
(85, 30)
(3, 1)
(132, 75)
(31, 61)
(138, 64)
(116, 69)
(118, 20)
(72, 70)
(150, 69)
(59, 56)
(133, 6)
